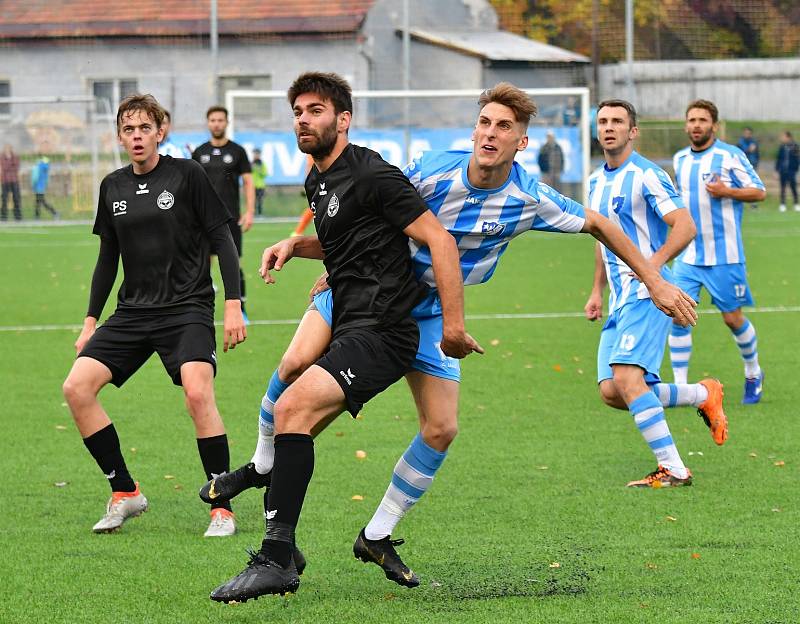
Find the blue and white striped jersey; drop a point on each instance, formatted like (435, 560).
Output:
(718, 220)
(483, 221)
(635, 196)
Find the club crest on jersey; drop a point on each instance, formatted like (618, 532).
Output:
(333, 206)
(205, 158)
(166, 200)
(227, 159)
(492, 228)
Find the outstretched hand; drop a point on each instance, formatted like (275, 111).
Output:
(459, 344)
(673, 302)
(275, 257)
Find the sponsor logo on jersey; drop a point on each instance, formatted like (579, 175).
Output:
(492, 228)
(710, 177)
(348, 376)
(216, 151)
(322, 190)
(333, 206)
(473, 200)
(142, 189)
(227, 159)
(205, 158)
(119, 207)
(269, 515)
(313, 208)
(166, 200)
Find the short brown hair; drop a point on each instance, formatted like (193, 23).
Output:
(515, 98)
(145, 103)
(705, 105)
(621, 104)
(217, 109)
(328, 85)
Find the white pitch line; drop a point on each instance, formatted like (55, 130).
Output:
(469, 317)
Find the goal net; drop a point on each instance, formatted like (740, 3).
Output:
(399, 124)
(66, 145)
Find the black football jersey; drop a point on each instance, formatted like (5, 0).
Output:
(224, 165)
(160, 221)
(361, 205)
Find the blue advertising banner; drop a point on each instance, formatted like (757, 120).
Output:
(288, 165)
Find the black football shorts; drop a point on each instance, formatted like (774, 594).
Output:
(367, 360)
(125, 349)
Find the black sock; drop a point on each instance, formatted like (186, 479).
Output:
(291, 474)
(216, 458)
(104, 447)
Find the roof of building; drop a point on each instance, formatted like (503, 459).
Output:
(497, 45)
(123, 18)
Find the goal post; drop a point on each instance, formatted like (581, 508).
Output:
(74, 135)
(398, 124)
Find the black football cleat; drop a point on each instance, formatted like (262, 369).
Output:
(382, 552)
(299, 560)
(261, 577)
(229, 485)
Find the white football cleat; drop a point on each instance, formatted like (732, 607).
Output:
(222, 523)
(120, 507)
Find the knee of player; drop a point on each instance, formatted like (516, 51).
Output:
(440, 436)
(291, 367)
(75, 391)
(291, 415)
(608, 392)
(198, 398)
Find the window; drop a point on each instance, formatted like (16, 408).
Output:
(252, 113)
(5, 91)
(112, 92)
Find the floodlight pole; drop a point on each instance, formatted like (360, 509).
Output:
(629, 50)
(214, 41)
(406, 80)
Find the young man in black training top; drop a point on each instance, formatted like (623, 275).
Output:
(364, 212)
(224, 161)
(162, 216)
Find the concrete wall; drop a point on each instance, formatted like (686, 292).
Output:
(751, 89)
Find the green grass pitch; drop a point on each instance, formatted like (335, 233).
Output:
(528, 520)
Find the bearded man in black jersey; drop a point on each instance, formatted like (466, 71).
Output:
(364, 212)
(164, 219)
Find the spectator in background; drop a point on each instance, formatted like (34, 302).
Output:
(9, 173)
(40, 177)
(749, 145)
(786, 164)
(571, 114)
(551, 162)
(260, 173)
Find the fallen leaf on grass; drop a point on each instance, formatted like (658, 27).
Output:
(494, 342)
(555, 564)
(542, 467)
(361, 454)
(339, 434)
(651, 566)
(64, 484)
(357, 497)
(775, 509)
(695, 555)
(557, 368)
(178, 486)
(671, 519)
(753, 455)
(169, 477)
(780, 464)
(133, 449)
(61, 427)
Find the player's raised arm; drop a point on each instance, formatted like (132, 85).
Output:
(427, 230)
(668, 298)
(275, 256)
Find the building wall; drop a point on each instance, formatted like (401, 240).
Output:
(751, 89)
(178, 75)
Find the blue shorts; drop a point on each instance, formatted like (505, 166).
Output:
(430, 359)
(726, 283)
(634, 334)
